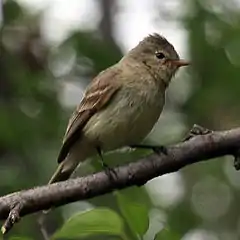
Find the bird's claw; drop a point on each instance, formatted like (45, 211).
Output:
(110, 172)
(160, 149)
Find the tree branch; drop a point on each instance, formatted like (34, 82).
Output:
(198, 148)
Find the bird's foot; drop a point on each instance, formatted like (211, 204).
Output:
(196, 131)
(157, 149)
(110, 172)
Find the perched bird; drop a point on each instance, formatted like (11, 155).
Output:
(121, 105)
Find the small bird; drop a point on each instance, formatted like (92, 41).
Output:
(121, 105)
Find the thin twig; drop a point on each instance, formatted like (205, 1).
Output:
(13, 217)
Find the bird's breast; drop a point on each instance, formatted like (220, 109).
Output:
(127, 119)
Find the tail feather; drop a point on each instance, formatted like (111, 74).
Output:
(79, 152)
(64, 171)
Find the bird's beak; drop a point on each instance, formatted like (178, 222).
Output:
(179, 63)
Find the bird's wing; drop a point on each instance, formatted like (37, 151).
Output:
(98, 94)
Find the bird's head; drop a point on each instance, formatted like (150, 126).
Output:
(159, 56)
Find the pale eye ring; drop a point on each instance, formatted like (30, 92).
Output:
(160, 55)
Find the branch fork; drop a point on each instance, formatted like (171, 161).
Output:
(13, 216)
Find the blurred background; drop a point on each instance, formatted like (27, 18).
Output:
(51, 49)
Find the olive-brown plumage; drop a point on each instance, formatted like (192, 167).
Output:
(121, 105)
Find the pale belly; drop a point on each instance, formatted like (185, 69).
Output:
(124, 122)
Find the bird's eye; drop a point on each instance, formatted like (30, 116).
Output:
(160, 55)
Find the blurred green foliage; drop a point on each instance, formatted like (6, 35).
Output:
(201, 199)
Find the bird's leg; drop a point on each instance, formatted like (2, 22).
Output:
(157, 149)
(195, 131)
(99, 151)
(108, 170)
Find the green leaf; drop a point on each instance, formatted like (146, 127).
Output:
(135, 213)
(166, 234)
(98, 221)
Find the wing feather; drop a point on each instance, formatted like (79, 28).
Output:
(100, 92)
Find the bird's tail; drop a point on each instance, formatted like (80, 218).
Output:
(69, 164)
(79, 153)
(64, 170)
